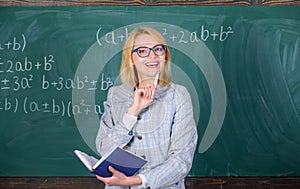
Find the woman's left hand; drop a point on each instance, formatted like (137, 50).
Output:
(119, 179)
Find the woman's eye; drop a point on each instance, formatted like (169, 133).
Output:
(158, 49)
(142, 51)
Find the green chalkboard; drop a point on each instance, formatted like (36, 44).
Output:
(240, 64)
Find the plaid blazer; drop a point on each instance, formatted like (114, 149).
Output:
(165, 133)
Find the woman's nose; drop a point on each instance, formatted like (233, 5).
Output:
(152, 54)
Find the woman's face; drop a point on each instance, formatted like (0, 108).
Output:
(148, 66)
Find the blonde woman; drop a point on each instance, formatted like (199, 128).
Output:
(148, 115)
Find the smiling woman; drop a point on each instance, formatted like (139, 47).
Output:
(149, 115)
(145, 50)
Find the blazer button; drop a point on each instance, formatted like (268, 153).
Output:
(140, 137)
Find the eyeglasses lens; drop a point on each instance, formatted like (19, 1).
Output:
(143, 51)
(159, 50)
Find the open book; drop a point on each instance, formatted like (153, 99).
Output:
(120, 159)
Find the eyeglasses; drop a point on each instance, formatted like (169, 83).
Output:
(144, 52)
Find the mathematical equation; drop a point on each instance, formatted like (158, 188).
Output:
(53, 106)
(181, 36)
(26, 65)
(17, 83)
(14, 44)
(9, 70)
(78, 83)
(25, 73)
(19, 74)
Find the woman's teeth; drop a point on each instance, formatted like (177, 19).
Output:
(152, 64)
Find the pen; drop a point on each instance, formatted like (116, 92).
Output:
(155, 82)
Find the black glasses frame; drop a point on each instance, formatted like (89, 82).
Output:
(150, 49)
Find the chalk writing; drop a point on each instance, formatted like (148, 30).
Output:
(112, 37)
(106, 82)
(77, 83)
(204, 34)
(17, 83)
(10, 80)
(52, 106)
(26, 65)
(15, 44)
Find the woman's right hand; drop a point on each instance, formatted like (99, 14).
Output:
(142, 98)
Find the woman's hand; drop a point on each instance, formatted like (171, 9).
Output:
(119, 179)
(142, 98)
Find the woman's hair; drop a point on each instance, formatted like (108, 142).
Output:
(128, 71)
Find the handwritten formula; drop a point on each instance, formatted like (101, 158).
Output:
(25, 73)
(203, 34)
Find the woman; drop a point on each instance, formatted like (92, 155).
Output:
(154, 122)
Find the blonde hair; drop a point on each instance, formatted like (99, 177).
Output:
(127, 70)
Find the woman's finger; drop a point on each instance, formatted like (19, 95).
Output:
(112, 170)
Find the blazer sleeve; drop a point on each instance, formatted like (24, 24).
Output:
(112, 132)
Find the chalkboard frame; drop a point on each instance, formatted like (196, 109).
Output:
(190, 182)
(148, 3)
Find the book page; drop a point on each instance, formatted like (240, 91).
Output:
(87, 160)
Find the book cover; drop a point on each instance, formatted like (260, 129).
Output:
(120, 159)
